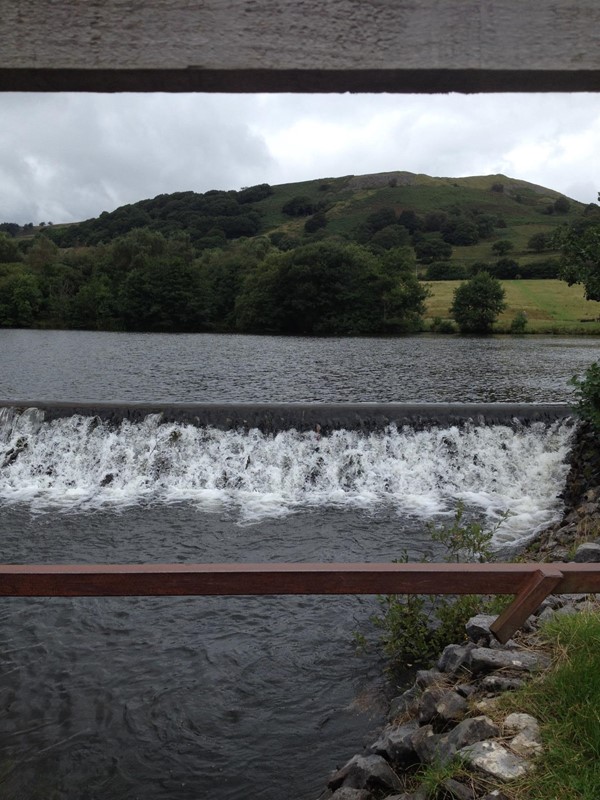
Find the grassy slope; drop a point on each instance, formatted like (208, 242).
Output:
(566, 702)
(551, 306)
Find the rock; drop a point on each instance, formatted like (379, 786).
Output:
(426, 744)
(528, 740)
(587, 552)
(484, 659)
(552, 601)
(518, 721)
(496, 794)
(472, 730)
(546, 615)
(429, 677)
(498, 683)
(404, 703)
(567, 610)
(486, 705)
(478, 627)
(451, 707)
(428, 702)
(494, 760)
(510, 644)
(455, 656)
(458, 791)
(347, 793)
(465, 689)
(366, 772)
(395, 745)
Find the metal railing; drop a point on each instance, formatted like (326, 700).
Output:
(529, 582)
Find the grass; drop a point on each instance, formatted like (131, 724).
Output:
(550, 305)
(566, 702)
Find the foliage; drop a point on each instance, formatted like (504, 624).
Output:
(445, 271)
(328, 288)
(439, 325)
(502, 247)
(9, 252)
(477, 303)
(519, 322)
(540, 241)
(416, 628)
(432, 247)
(588, 395)
(581, 257)
(298, 207)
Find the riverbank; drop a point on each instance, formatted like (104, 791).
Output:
(447, 736)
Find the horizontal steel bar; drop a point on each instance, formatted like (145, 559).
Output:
(97, 580)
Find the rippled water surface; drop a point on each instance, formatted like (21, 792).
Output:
(233, 698)
(80, 365)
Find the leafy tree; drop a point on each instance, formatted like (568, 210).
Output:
(12, 228)
(562, 205)
(299, 207)
(502, 247)
(314, 223)
(477, 303)
(329, 288)
(389, 237)
(581, 257)
(431, 247)
(540, 242)
(460, 232)
(446, 271)
(9, 251)
(20, 301)
(505, 268)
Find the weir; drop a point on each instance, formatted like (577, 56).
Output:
(324, 417)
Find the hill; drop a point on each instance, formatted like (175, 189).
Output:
(332, 255)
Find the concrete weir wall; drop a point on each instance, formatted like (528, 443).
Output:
(273, 417)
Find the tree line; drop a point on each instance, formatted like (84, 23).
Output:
(145, 281)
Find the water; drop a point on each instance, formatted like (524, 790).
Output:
(234, 697)
(81, 365)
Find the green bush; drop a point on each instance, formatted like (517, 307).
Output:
(519, 322)
(588, 395)
(415, 628)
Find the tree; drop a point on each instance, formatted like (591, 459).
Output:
(502, 247)
(562, 205)
(477, 303)
(9, 252)
(580, 261)
(540, 242)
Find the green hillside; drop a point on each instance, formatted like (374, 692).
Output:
(329, 256)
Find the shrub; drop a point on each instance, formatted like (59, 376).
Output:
(445, 271)
(588, 395)
(440, 325)
(519, 322)
(416, 628)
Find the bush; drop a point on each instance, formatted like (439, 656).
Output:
(440, 325)
(415, 628)
(588, 395)
(445, 271)
(519, 323)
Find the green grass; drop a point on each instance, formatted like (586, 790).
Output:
(551, 306)
(566, 702)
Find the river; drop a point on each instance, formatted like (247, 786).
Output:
(232, 698)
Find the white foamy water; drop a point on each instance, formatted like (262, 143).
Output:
(80, 463)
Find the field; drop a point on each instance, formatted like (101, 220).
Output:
(551, 306)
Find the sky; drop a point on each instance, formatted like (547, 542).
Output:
(68, 157)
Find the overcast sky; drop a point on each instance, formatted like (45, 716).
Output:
(66, 157)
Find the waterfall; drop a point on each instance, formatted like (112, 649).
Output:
(83, 463)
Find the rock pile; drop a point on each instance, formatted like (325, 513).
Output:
(450, 711)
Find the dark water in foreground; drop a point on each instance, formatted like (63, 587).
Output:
(231, 698)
